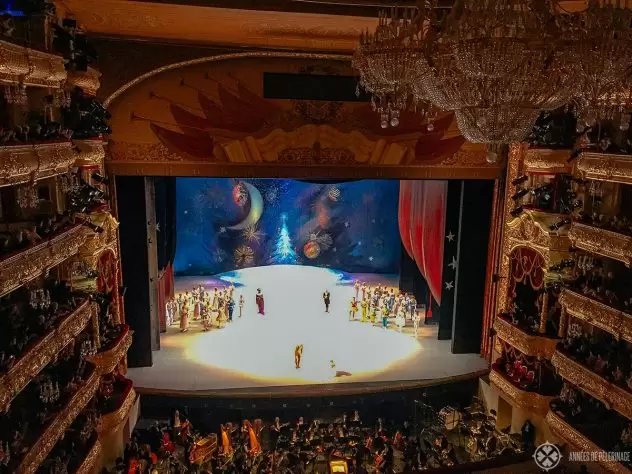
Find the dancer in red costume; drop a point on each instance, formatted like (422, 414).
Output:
(260, 302)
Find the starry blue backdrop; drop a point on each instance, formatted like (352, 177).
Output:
(349, 226)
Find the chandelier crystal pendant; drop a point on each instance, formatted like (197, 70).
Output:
(388, 61)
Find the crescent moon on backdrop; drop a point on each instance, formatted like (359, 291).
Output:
(256, 208)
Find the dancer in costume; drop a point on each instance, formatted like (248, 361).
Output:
(353, 309)
(227, 446)
(372, 313)
(364, 291)
(357, 289)
(184, 318)
(400, 319)
(413, 306)
(223, 317)
(231, 307)
(298, 354)
(242, 300)
(260, 302)
(364, 306)
(415, 323)
(231, 290)
(215, 300)
(205, 313)
(195, 297)
(326, 300)
(385, 314)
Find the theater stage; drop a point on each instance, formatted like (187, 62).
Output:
(254, 355)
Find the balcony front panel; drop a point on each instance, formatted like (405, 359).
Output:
(611, 320)
(605, 167)
(57, 427)
(528, 344)
(21, 164)
(110, 422)
(107, 360)
(531, 401)
(88, 81)
(601, 242)
(29, 67)
(90, 464)
(598, 387)
(17, 270)
(579, 442)
(44, 351)
(545, 160)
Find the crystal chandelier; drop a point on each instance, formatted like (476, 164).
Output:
(602, 45)
(389, 61)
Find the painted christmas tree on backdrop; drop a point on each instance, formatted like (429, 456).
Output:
(283, 251)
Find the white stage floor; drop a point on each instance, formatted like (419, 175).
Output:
(255, 352)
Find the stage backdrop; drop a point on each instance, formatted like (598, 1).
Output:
(227, 224)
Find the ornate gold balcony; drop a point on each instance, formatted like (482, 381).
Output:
(57, 427)
(544, 160)
(605, 167)
(91, 462)
(43, 352)
(601, 242)
(611, 320)
(531, 229)
(579, 442)
(24, 163)
(20, 65)
(107, 360)
(528, 400)
(27, 265)
(98, 242)
(610, 394)
(526, 343)
(88, 80)
(111, 421)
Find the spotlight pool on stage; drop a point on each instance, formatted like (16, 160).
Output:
(258, 351)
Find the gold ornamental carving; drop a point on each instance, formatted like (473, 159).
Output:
(601, 242)
(529, 345)
(613, 396)
(20, 65)
(88, 81)
(97, 242)
(579, 442)
(616, 322)
(110, 422)
(605, 167)
(90, 152)
(544, 160)
(531, 401)
(107, 360)
(25, 163)
(531, 229)
(43, 352)
(25, 266)
(91, 462)
(58, 426)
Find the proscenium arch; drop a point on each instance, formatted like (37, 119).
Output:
(467, 163)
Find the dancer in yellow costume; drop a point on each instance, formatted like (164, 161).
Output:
(364, 305)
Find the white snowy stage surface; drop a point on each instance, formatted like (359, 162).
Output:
(254, 355)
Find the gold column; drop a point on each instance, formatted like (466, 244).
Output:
(544, 312)
(561, 332)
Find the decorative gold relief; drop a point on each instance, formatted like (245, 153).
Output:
(107, 360)
(91, 462)
(528, 400)
(57, 427)
(544, 160)
(605, 167)
(43, 352)
(88, 80)
(527, 344)
(90, 152)
(20, 65)
(97, 242)
(578, 442)
(616, 322)
(24, 163)
(111, 421)
(601, 242)
(593, 384)
(531, 229)
(19, 269)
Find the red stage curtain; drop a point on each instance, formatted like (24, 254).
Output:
(165, 291)
(425, 223)
(527, 264)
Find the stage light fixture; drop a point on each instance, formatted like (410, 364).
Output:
(519, 180)
(517, 211)
(558, 225)
(520, 194)
(100, 179)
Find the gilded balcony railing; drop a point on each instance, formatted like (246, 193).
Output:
(601, 242)
(611, 320)
(529, 345)
(545, 160)
(605, 167)
(57, 427)
(29, 67)
(24, 266)
(25, 163)
(596, 386)
(531, 401)
(579, 442)
(40, 354)
(111, 421)
(107, 359)
(90, 464)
